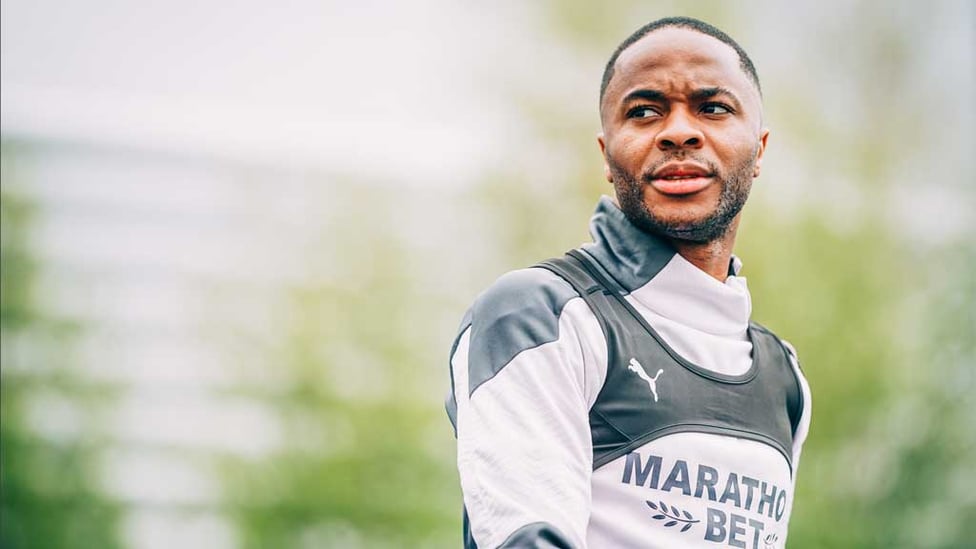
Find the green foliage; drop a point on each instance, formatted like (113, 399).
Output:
(16, 266)
(49, 496)
(373, 483)
(367, 457)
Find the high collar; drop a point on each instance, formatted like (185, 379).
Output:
(631, 255)
(655, 275)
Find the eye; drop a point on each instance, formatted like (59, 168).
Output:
(642, 111)
(716, 108)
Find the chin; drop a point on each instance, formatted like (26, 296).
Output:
(682, 216)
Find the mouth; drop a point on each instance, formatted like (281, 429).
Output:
(681, 179)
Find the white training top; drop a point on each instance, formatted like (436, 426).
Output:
(526, 371)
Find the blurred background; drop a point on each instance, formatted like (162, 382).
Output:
(238, 237)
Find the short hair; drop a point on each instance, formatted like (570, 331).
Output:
(682, 22)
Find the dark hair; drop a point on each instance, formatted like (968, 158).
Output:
(684, 22)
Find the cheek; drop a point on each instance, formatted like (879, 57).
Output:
(631, 150)
(735, 151)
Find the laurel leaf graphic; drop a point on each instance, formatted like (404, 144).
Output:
(686, 527)
(658, 517)
(688, 515)
(670, 523)
(663, 506)
(675, 511)
(651, 505)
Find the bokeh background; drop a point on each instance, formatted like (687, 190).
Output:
(238, 237)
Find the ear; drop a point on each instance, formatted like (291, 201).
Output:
(763, 137)
(603, 150)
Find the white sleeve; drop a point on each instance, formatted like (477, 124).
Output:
(525, 455)
(803, 427)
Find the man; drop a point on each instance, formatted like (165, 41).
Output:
(619, 396)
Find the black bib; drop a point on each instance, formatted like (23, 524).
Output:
(650, 391)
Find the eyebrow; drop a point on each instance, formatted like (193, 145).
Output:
(701, 94)
(650, 95)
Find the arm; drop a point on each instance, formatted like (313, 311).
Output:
(522, 414)
(803, 427)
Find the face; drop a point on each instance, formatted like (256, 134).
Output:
(682, 134)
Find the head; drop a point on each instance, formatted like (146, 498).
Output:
(682, 139)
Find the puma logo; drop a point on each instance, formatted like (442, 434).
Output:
(636, 367)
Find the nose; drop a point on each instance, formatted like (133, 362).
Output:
(680, 131)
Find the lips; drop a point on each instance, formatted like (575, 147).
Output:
(681, 179)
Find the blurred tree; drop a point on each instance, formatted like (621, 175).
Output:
(366, 459)
(48, 485)
(929, 497)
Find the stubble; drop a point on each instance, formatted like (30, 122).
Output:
(735, 191)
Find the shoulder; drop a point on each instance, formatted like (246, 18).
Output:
(799, 397)
(519, 311)
(773, 339)
(534, 293)
(777, 345)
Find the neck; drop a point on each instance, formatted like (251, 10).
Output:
(711, 257)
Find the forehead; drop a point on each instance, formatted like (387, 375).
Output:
(675, 57)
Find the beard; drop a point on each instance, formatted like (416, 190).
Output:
(735, 191)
